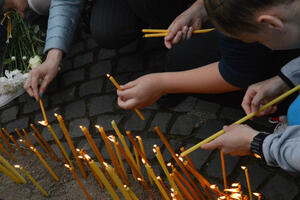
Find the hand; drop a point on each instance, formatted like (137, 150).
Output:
(141, 92)
(261, 93)
(19, 5)
(236, 141)
(182, 27)
(45, 72)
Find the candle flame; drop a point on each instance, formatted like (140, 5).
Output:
(108, 75)
(81, 127)
(105, 164)
(234, 190)
(139, 179)
(257, 156)
(213, 186)
(55, 114)
(143, 161)
(87, 157)
(43, 123)
(222, 197)
(17, 166)
(137, 137)
(78, 150)
(20, 140)
(154, 150)
(112, 138)
(158, 177)
(256, 194)
(180, 158)
(80, 157)
(97, 126)
(236, 196)
(235, 184)
(67, 166)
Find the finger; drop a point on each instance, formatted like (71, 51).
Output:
(184, 32)
(128, 104)
(35, 89)
(128, 85)
(190, 33)
(173, 30)
(256, 102)
(44, 85)
(28, 88)
(211, 145)
(168, 44)
(177, 38)
(246, 104)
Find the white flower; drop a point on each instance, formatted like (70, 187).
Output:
(13, 58)
(24, 57)
(35, 61)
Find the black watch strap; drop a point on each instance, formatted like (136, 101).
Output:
(256, 145)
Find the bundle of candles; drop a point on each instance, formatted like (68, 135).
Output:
(150, 33)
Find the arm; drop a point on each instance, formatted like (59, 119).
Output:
(283, 150)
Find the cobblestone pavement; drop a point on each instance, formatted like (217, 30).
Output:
(84, 96)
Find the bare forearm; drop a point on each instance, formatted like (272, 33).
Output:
(206, 79)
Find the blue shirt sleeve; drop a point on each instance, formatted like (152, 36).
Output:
(63, 19)
(283, 149)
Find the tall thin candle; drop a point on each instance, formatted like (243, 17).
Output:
(14, 141)
(6, 152)
(6, 142)
(181, 186)
(43, 111)
(12, 169)
(143, 151)
(223, 169)
(10, 174)
(42, 145)
(248, 181)
(23, 140)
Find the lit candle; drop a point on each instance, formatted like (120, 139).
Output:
(111, 152)
(60, 147)
(165, 141)
(258, 195)
(43, 111)
(188, 158)
(117, 180)
(113, 140)
(161, 189)
(45, 142)
(32, 180)
(146, 187)
(162, 163)
(45, 164)
(223, 169)
(69, 140)
(78, 181)
(12, 170)
(131, 193)
(143, 151)
(6, 152)
(104, 180)
(41, 144)
(23, 140)
(181, 186)
(119, 88)
(248, 182)
(137, 160)
(163, 184)
(10, 174)
(6, 142)
(14, 141)
(128, 153)
(28, 138)
(216, 190)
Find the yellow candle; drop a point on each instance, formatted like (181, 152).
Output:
(10, 174)
(45, 164)
(28, 138)
(14, 141)
(6, 152)
(146, 187)
(69, 140)
(143, 151)
(104, 180)
(131, 193)
(117, 180)
(32, 180)
(183, 189)
(162, 163)
(6, 142)
(223, 169)
(12, 169)
(43, 111)
(78, 181)
(161, 189)
(248, 182)
(119, 88)
(23, 140)
(41, 144)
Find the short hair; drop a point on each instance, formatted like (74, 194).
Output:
(236, 16)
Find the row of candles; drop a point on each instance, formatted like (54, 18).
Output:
(182, 186)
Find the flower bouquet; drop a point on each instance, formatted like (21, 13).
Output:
(24, 47)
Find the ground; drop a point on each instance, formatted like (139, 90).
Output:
(83, 95)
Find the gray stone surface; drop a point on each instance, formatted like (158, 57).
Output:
(101, 105)
(57, 151)
(161, 120)
(19, 123)
(73, 77)
(130, 63)
(106, 54)
(9, 114)
(185, 106)
(205, 106)
(135, 123)
(175, 144)
(75, 110)
(148, 144)
(74, 129)
(33, 105)
(209, 128)
(100, 69)
(105, 121)
(63, 96)
(91, 87)
(83, 60)
(199, 157)
(232, 113)
(56, 128)
(184, 125)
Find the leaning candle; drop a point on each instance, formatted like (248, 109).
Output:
(32, 180)
(248, 181)
(12, 169)
(117, 180)
(78, 181)
(104, 180)
(45, 164)
(69, 140)
(10, 174)
(6, 152)
(119, 88)
(6, 142)
(43, 111)
(23, 140)
(223, 169)
(143, 183)
(42, 145)
(131, 193)
(14, 141)
(28, 138)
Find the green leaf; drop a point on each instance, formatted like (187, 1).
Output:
(6, 61)
(36, 29)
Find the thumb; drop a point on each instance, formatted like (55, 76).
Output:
(211, 145)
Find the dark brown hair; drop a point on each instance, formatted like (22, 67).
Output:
(236, 16)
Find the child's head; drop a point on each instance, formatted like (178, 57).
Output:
(274, 23)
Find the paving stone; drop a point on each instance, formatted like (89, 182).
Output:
(135, 123)
(91, 44)
(105, 121)
(34, 105)
(257, 175)
(280, 188)
(101, 105)
(186, 105)
(75, 110)
(205, 106)
(19, 124)
(63, 96)
(91, 87)
(87, 147)
(121, 79)
(74, 129)
(214, 168)
(100, 69)
(209, 127)
(66, 65)
(9, 114)
(25, 98)
(83, 60)
(130, 64)
(175, 144)
(148, 145)
(184, 125)
(105, 153)
(76, 48)
(199, 157)
(48, 136)
(49, 113)
(232, 113)
(106, 54)
(57, 151)
(73, 77)
(161, 120)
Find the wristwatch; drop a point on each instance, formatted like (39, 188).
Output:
(256, 145)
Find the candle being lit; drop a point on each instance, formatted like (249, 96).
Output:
(43, 111)
(32, 180)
